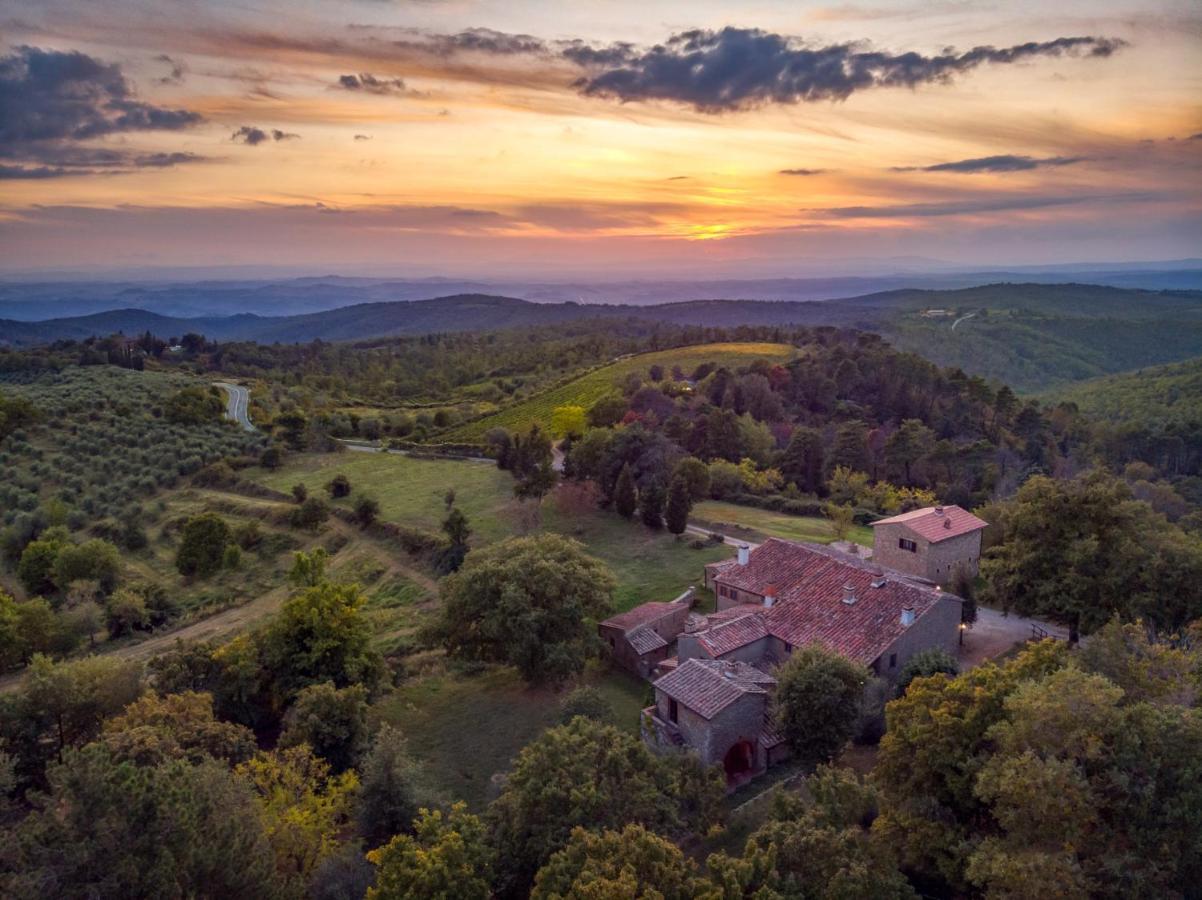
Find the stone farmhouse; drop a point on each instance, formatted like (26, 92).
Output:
(933, 543)
(713, 680)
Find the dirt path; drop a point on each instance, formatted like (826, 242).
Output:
(240, 618)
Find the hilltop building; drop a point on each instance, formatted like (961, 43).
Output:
(714, 695)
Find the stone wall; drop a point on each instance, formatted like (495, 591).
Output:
(938, 627)
(936, 562)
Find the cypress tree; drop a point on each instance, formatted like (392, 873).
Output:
(680, 503)
(625, 498)
(651, 505)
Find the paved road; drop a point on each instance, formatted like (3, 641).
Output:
(961, 319)
(238, 405)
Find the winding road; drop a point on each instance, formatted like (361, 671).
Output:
(237, 404)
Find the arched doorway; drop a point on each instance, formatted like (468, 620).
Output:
(739, 761)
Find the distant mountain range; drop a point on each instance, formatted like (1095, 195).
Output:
(38, 301)
(1032, 336)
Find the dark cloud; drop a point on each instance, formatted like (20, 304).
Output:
(801, 171)
(49, 95)
(176, 75)
(30, 173)
(363, 137)
(165, 160)
(252, 136)
(486, 40)
(1004, 163)
(52, 101)
(1195, 137)
(738, 68)
(370, 84)
(977, 205)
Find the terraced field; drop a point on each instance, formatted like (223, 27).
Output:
(591, 387)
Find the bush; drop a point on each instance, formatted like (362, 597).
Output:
(202, 546)
(926, 662)
(339, 486)
(300, 493)
(232, 558)
(588, 702)
(367, 509)
(310, 515)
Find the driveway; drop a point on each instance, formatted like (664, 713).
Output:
(993, 633)
(237, 404)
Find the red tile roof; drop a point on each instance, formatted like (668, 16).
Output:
(640, 616)
(644, 640)
(812, 581)
(734, 632)
(937, 523)
(708, 686)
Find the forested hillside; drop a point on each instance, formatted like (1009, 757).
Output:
(1029, 336)
(1156, 395)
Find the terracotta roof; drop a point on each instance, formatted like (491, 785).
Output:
(644, 640)
(937, 523)
(734, 632)
(708, 686)
(640, 616)
(770, 736)
(812, 582)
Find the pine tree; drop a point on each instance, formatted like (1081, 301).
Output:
(625, 498)
(680, 504)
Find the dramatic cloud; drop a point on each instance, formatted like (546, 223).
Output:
(165, 160)
(739, 68)
(363, 137)
(252, 136)
(1195, 137)
(801, 171)
(47, 95)
(486, 40)
(1004, 163)
(372, 85)
(51, 102)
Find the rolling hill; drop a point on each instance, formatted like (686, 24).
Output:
(1031, 336)
(1159, 394)
(592, 386)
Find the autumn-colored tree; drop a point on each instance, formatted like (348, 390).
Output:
(154, 729)
(634, 863)
(304, 807)
(447, 857)
(568, 421)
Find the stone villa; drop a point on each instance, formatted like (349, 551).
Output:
(713, 676)
(933, 543)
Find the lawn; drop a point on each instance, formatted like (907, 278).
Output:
(754, 524)
(464, 729)
(410, 491)
(591, 387)
(648, 565)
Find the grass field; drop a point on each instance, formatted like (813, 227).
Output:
(410, 491)
(750, 522)
(648, 565)
(466, 728)
(587, 389)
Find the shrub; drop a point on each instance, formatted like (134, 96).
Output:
(202, 545)
(339, 486)
(310, 514)
(588, 702)
(934, 661)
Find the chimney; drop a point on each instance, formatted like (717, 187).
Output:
(907, 617)
(938, 510)
(947, 523)
(744, 554)
(849, 594)
(769, 595)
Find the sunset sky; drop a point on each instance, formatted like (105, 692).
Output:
(610, 138)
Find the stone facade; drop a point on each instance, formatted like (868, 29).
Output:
(939, 629)
(712, 739)
(897, 547)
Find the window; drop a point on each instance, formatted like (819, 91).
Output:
(907, 544)
(672, 710)
(788, 648)
(892, 660)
